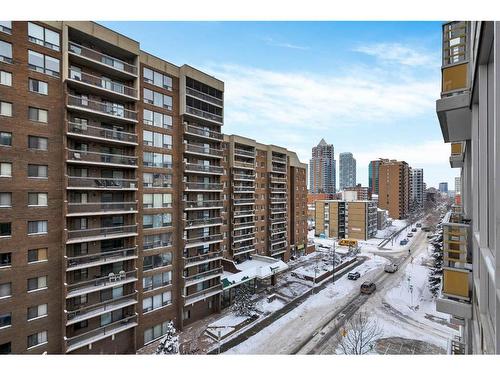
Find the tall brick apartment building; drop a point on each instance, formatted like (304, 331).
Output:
(120, 196)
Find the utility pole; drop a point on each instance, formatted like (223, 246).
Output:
(333, 264)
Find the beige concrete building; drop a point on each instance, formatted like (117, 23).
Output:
(394, 188)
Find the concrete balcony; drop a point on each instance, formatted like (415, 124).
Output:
(278, 219)
(203, 133)
(277, 169)
(243, 249)
(191, 261)
(87, 338)
(157, 244)
(244, 189)
(106, 110)
(100, 233)
(97, 133)
(100, 283)
(278, 159)
(203, 186)
(203, 240)
(245, 153)
(243, 236)
(241, 224)
(203, 205)
(95, 310)
(102, 87)
(100, 159)
(204, 115)
(203, 151)
(101, 61)
(74, 263)
(278, 248)
(457, 154)
(100, 208)
(243, 201)
(278, 200)
(205, 97)
(243, 213)
(243, 165)
(277, 180)
(100, 183)
(203, 222)
(190, 299)
(203, 169)
(243, 177)
(202, 276)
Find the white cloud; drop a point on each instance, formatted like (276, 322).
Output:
(271, 42)
(400, 54)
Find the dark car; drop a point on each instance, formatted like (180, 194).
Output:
(353, 275)
(368, 287)
(414, 230)
(419, 225)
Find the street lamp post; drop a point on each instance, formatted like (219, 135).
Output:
(333, 264)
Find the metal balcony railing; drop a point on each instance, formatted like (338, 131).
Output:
(202, 276)
(102, 58)
(105, 84)
(204, 114)
(190, 167)
(243, 249)
(205, 293)
(104, 281)
(203, 204)
(242, 164)
(102, 257)
(246, 153)
(103, 133)
(101, 158)
(203, 186)
(203, 150)
(278, 159)
(157, 244)
(244, 188)
(89, 207)
(202, 258)
(207, 238)
(102, 231)
(101, 183)
(105, 108)
(241, 213)
(205, 133)
(204, 97)
(73, 313)
(244, 176)
(203, 222)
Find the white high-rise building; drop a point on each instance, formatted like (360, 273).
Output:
(347, 170)
(417, 188)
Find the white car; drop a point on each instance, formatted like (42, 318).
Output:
(391, 268)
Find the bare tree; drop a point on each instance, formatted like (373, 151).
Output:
(359, 335)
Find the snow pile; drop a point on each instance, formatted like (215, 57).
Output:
(226, 325)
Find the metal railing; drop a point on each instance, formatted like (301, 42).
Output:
(203, 96)
(207, 238)
(240, 152)
(101, 182)
(203, 221)
(194, 279)
(202, 257)
(108, 280)
(100, 157)
(196, 130)
(106, 108)
(100, 307)
(203, 204)
(204, 114)
(244, 176)
(203, 185)
(74, 207)
(102, 83)
(102, 58)
(99, 132)
(102, 231)
(203, 150)
(203, 168)
(202, 293)
(79, 260)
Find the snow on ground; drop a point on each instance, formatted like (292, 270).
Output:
(269, 307)
(227, 324)
(287, 332)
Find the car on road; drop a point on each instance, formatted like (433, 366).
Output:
(368, 287)
(410, 234)
(414, 229)
(353, 275)
(403, 242)
(391, 268)
(419, 225)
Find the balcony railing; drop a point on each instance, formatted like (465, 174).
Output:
(101, 158)
(278, 200)
(96, 207)
(246, 153)
(104, 232)
(279, 219)
(243, 236)
(203, 96)
(278, 159)
(243, 201)
(157, 244)
(103, 133)
(203, 150)
(238, 224)
(105, 108)
(278, 180)
(207, 238)
(104, 84)
(203, 186)
(101, 183)
(202, 258)
(242, 164)
(243, 249)
(244, 188)
(205, 133)
(202, 276)
(455, 69)
(104, 257)
(203, 222)
(84, 339)
(244, 176)
(202, 294)
(279, 169)
(203, 114)
(203, 204)
(102, 58)
(99, 283)
(241, 213)
(213, 169)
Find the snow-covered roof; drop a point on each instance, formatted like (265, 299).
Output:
(259, 267)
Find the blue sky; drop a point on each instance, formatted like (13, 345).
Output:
(366, 87)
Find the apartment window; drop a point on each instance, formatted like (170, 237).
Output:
(5, 139)
(6, 109)
(5, 78)
(37, 199)
(5, 290)
(6, 27)
(43, 63)
(5, 320)
(157, 79)
(37, 143)
(157, 301)
(37, 283)
(156, 261)
(157, 99)
(37, 171)
(155, 159)
(157, 221)
(5, 169)
(37, 339)
(37, 255)
(5, 52)
(38, 114)
(156, 241)
(7, 347)
(148, 96)
(157, 119)
(157, 139)
(43, 36)
(5, 200)
(5, 259)
(157, 200)
(5, 229)
(157, 281)
(37, 86)
(155, 332)
(37, 227)
(39, 311)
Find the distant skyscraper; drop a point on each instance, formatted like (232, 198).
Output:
(373, 170)
(443, 187)
(417, 190)
(322, 167)
(347, 170)
(458, 184)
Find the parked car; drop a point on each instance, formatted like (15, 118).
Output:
(353, 275)
(403, 242)
(368, 287)
(414, 229)
(410, 234)
(391, 268)
(426, 229)
(419, 225)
